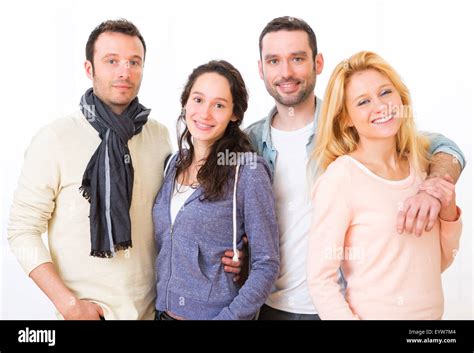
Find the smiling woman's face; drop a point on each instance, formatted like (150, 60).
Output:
(373, 104)
(209, 108)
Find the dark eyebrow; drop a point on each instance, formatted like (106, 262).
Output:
(114, 54)
(296, 53)
(202, 94)
(299, 53)
(109, 54)
(269, 56)
(137, 57)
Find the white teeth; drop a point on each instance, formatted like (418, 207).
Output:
(287, 85)
(383, 119)
(203, 126)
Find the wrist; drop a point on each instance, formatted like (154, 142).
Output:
(449, 214)
(66, 304)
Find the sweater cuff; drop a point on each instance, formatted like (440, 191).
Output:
(457, 220)
(30, 253)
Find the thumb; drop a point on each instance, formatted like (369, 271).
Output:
(100, 310)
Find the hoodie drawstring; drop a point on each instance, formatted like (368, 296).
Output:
(235, 258)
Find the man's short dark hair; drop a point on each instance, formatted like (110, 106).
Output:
(119, 26)
(288, 23)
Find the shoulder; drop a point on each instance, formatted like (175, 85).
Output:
(60, 128)
(256, 126)
(255, 130)
(155, 138)
(341, 167)
(255, 169)
(155, 127)
(338, 173)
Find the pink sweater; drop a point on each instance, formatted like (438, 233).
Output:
(389, 275)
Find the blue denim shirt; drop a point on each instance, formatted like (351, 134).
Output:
(260, 136)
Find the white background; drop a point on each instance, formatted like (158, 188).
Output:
(42, 78)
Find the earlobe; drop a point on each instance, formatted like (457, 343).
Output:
(319, 62)
(89, 69)
(260, 69)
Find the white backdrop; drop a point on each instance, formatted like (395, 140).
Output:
(42, 78)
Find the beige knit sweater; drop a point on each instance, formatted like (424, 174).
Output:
(47, 198)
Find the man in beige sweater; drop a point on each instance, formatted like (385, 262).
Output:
(48, 197)
(64, 157)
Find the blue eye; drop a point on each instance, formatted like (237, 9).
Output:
(362, 102)
(385, 92)
(273, 61)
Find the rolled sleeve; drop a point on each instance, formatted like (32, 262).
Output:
(440, 143)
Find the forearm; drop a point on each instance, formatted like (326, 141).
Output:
(48, 280)
(322, 266)
(442, 164)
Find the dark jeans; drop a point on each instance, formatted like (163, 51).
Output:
(268, 313)
(163, 316)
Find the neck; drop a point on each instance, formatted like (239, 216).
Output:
(290, 118)
(380, 152)
(201, 151)
(117, 109)
(189, 176)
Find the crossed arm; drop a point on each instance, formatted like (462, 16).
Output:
(421, 211)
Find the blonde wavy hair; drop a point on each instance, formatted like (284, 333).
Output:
(336, 138)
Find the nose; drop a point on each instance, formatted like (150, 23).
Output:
(287, 69)
(124, 69)
(380, 105)
(204, 111)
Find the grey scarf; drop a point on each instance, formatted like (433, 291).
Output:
(108, 179)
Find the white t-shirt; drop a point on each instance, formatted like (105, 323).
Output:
(294, 210)
(180, 194)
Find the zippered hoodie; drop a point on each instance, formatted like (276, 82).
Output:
(191, 281)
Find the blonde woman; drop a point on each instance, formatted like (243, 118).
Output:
(372, 159)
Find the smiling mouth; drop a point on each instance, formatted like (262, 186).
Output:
(288, 87)
(383, 119)
(202, 126)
